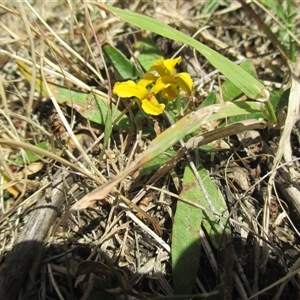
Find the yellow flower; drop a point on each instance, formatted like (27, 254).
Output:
(161, 77)
(147, 98)
(162, 73)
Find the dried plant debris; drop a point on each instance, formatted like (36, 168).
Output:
(65, 137)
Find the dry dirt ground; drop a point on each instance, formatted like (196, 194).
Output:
(104, 252)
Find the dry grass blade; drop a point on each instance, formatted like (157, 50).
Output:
(19, 144)
(284, 147)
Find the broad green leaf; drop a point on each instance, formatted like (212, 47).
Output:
(236, 119)
(149, 53)
(247, 83)
(213, 228)
(229, 89)
(31, 156)
(123, 66)
(91, 106)
(278, 100)
(186, 244)
(210, 99)
(282, 101)
(156, 163)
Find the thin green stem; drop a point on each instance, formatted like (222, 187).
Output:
(269, 113)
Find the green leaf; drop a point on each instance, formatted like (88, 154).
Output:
(229, 89)
(210, 7)
(186, 244)
(122, 65)
(91, 106)
(156, 163)
(270, 4)
(247, 83)
(209, 220)
(280, 100)
(210, 100)
(149, 53)
(32, 157)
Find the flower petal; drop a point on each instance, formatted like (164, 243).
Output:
(170, 93)
(168, 87)
(160, 85)
(159, 67)
(170, 64)
(130, 89)
(147, 79)
(185, 81)
(152, 106)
